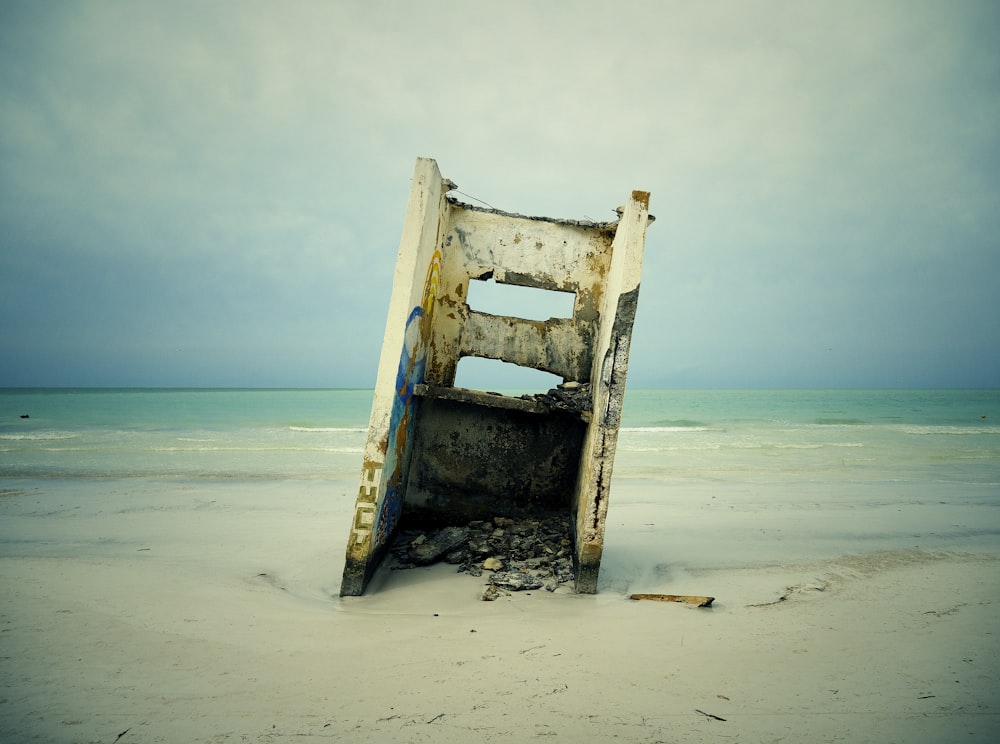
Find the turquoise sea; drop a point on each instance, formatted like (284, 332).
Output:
(939, 436)
(722, 477)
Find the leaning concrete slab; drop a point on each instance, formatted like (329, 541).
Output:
(441, 455)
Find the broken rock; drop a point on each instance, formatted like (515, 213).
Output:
(535, 550)
(515, 581)
(491, 593)
(437, 545)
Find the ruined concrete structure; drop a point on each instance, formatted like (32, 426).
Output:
(437, 454)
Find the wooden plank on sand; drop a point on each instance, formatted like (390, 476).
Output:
(684, 598)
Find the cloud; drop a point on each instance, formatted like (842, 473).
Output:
(231, 179)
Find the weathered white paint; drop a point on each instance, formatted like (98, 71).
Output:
(430, 326)
(608, 386)
(556, 345)
(404, 352)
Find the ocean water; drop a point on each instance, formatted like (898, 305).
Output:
(929, 436)
(192, 434)
(939, 436)
(724, 477)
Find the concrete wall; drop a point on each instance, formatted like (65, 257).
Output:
(476, 461)
(438, 454)
(608, 385)
(401, 366)
(512, 249)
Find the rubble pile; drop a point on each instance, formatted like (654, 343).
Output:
(567, 396)
(515, 555)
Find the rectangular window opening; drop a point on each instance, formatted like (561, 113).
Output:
(495, 376)
(528, 303)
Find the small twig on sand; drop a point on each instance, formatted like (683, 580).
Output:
(439, 715)
(122, 734)
(709, 715)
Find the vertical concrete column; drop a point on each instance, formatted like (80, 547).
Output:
(401, 366)
(608, 388)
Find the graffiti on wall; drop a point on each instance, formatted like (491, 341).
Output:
(381, 512)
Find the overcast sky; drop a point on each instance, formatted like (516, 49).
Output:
(212, 193)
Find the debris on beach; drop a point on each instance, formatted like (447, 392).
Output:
(425, 551)
(696, 601)
(437, 454)
(516, 555)
(712, 716)
(516, 581)
(493, 592)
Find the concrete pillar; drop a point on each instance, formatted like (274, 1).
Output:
(610, 368)
(401, 366)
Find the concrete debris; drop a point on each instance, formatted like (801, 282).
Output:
(519, 554)
(493, 592)
(569, 396)
(516, 581)
(443, 542)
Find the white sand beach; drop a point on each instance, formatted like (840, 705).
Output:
(208, 613)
